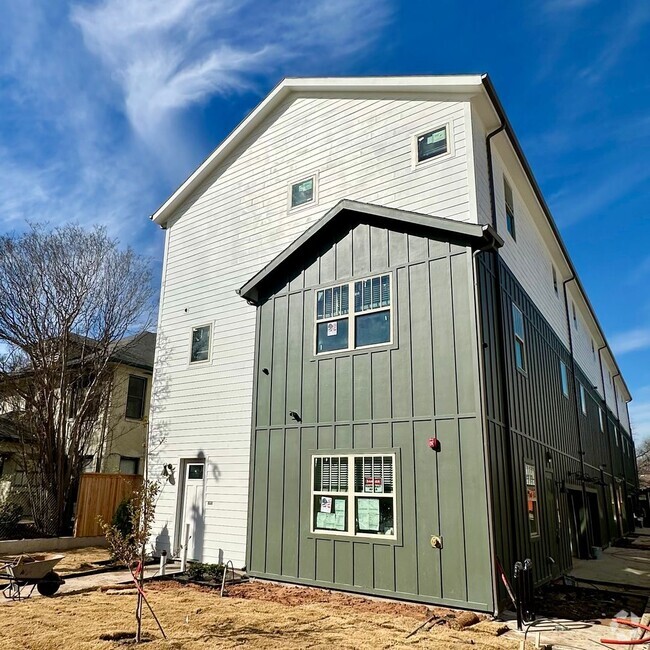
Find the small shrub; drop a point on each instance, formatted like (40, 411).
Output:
(122, 519)
(10, 514)
(200, 571)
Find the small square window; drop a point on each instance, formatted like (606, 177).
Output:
(432, 144)
(200, 344)
(195, 471)
(129, 465)
(510, 209)
(302, 192)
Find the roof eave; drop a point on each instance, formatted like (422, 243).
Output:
(479, 235)
(498, 107)
(459, 84)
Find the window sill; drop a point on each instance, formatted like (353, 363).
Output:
(365, 539)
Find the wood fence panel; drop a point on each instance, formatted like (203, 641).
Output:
(99, 495)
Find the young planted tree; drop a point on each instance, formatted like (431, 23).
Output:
(69, 299)
(127, 537)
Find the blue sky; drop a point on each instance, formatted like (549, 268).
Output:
(106, 106)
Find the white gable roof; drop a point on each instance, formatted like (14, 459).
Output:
(456, 84)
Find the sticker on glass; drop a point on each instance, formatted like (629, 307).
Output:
(326, 504)
(332, 328)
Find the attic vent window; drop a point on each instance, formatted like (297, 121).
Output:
(368, 324)
(302, 192)
(432, 144)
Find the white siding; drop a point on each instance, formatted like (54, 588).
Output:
(236, 223)
(529, 257)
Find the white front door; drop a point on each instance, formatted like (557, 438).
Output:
(193, 509)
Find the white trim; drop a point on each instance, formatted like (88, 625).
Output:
(352, 315)
(314, 176)
(449, 153)
(351, 495)
(201, 361)
(456, 84)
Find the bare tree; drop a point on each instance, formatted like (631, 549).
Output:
(643, 462)
(69, 298)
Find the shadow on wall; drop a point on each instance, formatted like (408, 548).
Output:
(197, 531)
(163, 541)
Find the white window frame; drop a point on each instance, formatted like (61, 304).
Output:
(521, 338)
(601, 419)
(192, 330)
(352, 315)
(538, 521)
(441, 156)
(314, 199)
(352, 496)
(564, 379)
(583, 399)
(616, 435)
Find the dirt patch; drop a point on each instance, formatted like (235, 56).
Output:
(79, 560)
(197, 618)
(289, 595)
(578, 604)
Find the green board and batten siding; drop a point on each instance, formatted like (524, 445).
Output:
(389, 398)
(546, 429)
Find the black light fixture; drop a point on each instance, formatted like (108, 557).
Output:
(294, 416)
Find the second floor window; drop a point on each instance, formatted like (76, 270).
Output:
(136, 397)
(338, 327)
(564, 379)
(200, 344)
(583, 400)
(520, 338)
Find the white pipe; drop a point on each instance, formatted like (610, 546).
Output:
(163, 562)
(186, 541)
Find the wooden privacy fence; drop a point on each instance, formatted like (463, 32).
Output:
(99, 495)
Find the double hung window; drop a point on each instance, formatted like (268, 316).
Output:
(341, 325)
(520, 338)
(354, 495)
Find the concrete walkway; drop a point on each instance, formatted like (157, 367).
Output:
(621, 569)
(102, 581)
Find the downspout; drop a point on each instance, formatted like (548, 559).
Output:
(581, 452)
(500, 337)
(487, 455)
(618, 419)
(609, 438)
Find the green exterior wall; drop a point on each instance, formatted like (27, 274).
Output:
(393, 397)
(547, 429)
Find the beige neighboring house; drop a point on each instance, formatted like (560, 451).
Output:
(121, 430)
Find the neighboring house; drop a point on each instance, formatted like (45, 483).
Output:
(121, 429)
(414, 389)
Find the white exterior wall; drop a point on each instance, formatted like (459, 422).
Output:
(361, 149)
(529, 257)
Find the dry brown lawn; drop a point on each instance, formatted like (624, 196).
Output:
(81, 559)
(269, 616)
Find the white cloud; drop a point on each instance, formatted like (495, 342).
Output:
(168, 56)
(95, 109)
(631, 341)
